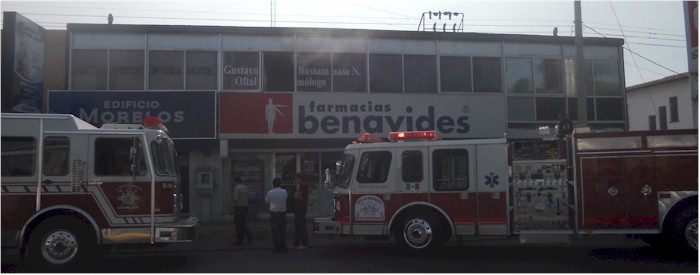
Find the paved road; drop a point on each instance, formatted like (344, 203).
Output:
(214, 253)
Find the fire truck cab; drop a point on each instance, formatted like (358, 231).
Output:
(71, 191)
(424, 191)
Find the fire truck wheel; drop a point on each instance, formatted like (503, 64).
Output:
(418, 232)
(60, 243)
(685, 229)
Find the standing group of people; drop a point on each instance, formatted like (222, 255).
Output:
(277, 203)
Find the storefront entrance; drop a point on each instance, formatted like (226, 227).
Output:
(258, 169)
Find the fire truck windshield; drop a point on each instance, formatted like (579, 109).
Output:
(164, 156)
(345, 171)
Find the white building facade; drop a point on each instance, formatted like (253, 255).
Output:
(661, 104)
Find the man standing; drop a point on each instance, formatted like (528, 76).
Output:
(277, 201)
(301, 199)
(240, 211)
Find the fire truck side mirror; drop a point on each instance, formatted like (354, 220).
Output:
(327, 181)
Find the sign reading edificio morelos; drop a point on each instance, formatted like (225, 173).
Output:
(186, 114)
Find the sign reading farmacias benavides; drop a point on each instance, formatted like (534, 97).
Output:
(186, 114)
(347, 115)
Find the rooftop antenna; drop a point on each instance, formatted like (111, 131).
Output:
(441, 21)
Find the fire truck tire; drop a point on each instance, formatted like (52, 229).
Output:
(418, 232)
(685, 229)
(60, 243)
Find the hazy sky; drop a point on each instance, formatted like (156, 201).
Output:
(654, 31)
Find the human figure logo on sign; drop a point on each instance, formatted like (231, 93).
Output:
(271, 111)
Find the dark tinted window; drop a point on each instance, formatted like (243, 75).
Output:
(420, 74)
(455, 74)
(548, 76)
(18, 156)
(349, 72)
(56, 156)
(548, 108)
(412, 166)
(487, 74)
(278, 74)
(385, 73)
(374, 167)
(113, 157)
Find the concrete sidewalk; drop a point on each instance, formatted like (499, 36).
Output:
(220, 235)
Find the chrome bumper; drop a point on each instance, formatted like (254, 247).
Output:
(326, 225)
(182, 231)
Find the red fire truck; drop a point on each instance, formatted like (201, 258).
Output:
(71, 191)
(424, 191)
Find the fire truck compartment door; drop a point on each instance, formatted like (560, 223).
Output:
(618, 193)
(453, 185)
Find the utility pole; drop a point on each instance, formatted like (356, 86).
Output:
(273, 13)
(580, 68)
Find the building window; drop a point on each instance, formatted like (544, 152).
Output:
(606, 77)
(385, 74)
(374, 167)
(242, 71)
(278, 71)
(313, 72)
(450, 170)
(412, 166)
(663, 122)
(166, 70)
(89, 70)
(570, 72)
(349, 72)
(455, 74)
(56, 156)
(609, 109)
(673, 103)
(521, 108)
(652, 122)
(18, 156)
(201, 70)
(420, 74)
(519, 75)
(487, 74)
(125, 70)
(547, 76)
(549, 108)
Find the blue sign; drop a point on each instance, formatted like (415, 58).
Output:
(186, 114)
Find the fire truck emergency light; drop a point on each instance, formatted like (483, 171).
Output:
(413, 136)
(152, 122)
(367, 138)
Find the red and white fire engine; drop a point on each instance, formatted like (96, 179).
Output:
(71, 191)
(424, 191)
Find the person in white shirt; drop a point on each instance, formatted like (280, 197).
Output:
(240, 211)
(277, 201)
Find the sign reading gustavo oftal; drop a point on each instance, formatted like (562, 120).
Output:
(187, 114)
(347, 115)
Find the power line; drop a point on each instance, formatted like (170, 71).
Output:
(623, 35)
(647, 59)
